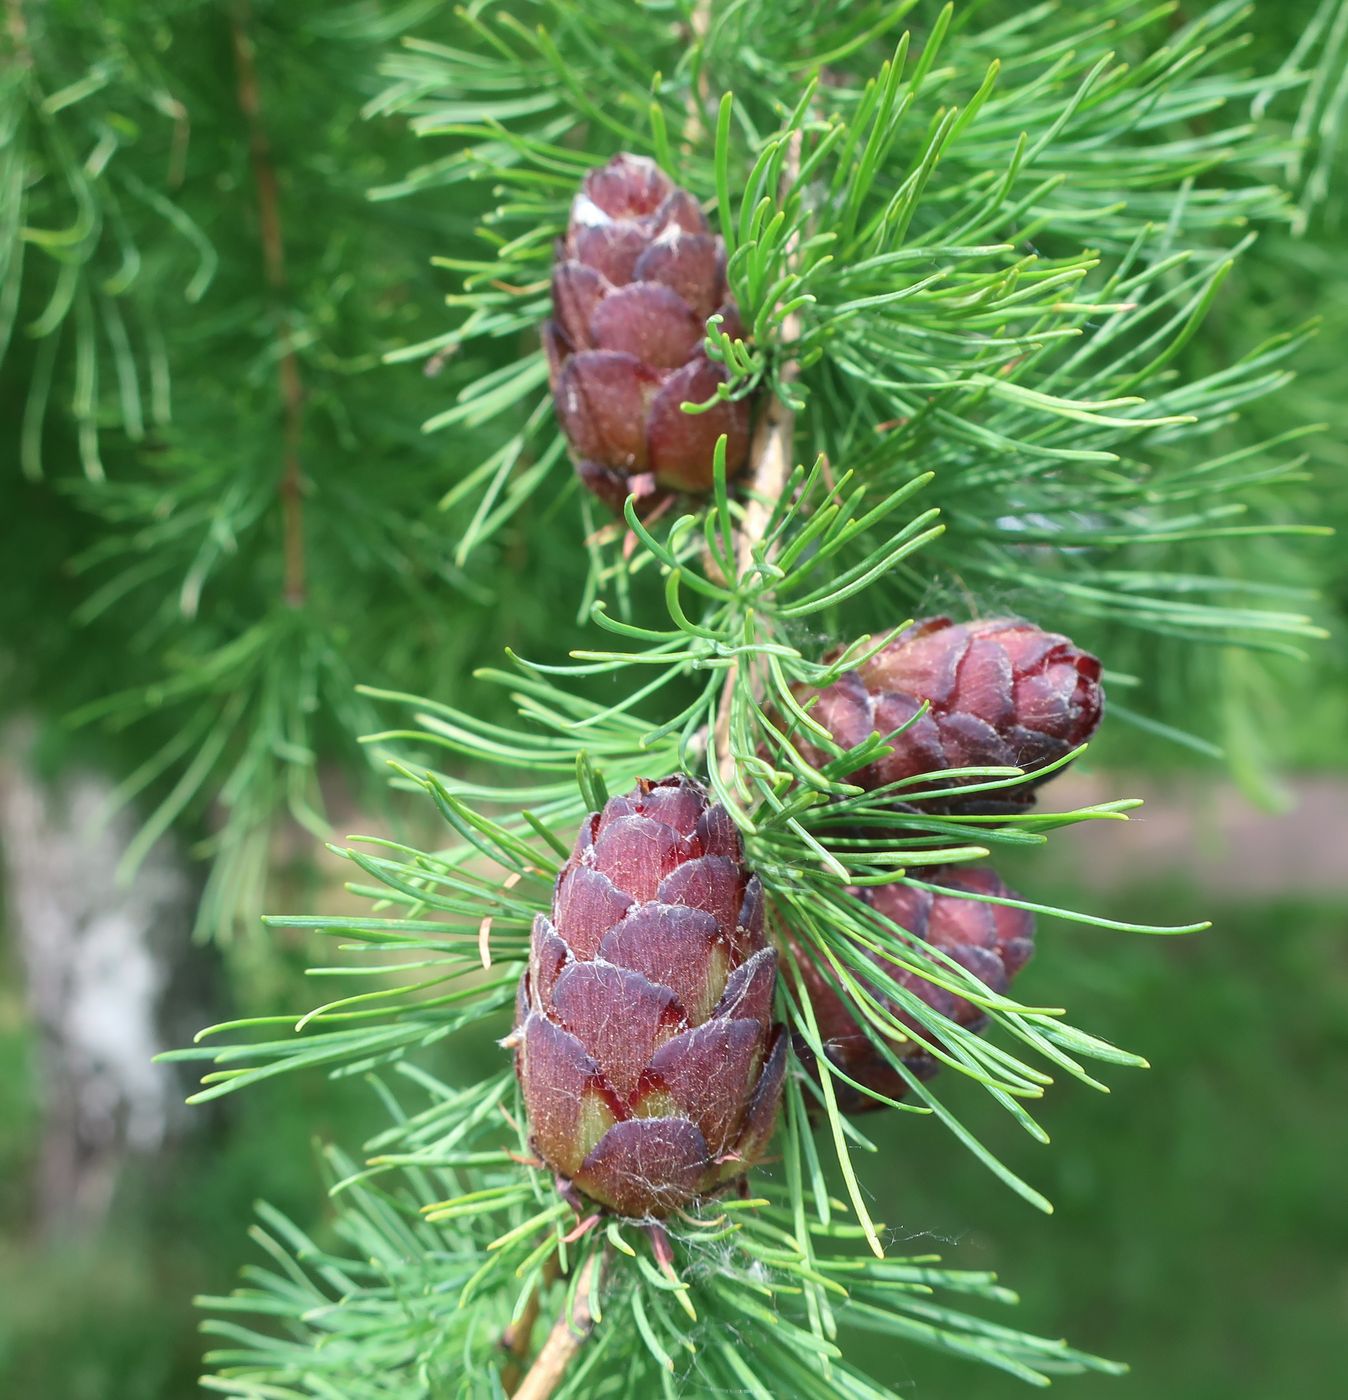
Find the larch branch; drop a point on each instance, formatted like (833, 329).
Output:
(699, 92)
(765, 478)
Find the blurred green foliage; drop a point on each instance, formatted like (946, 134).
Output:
(111, 1317)
(1196, 1234)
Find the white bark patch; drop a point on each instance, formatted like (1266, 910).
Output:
(97, 957)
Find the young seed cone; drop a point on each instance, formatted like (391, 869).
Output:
(645, 1047)
(989, 940)
(1001, 692)
(637, 276)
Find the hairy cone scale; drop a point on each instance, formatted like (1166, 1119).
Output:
(991, 941)
(650, 1065)
(1001, 693)
(635, 280)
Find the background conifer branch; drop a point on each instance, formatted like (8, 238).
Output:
(274, 267)
(17, 24)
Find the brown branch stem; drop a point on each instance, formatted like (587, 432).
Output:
(289, 383)
(765, 478)
(516, 1338)
(569, 1333)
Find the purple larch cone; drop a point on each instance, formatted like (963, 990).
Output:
(637, 276)
(992, 941)
(1001, 693)
(649, 1061)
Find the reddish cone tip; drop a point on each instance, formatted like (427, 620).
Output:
(991, 941)
(637, 276)
(1001, 693)
(645, 1047)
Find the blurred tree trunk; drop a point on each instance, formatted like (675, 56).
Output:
(105, 967)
